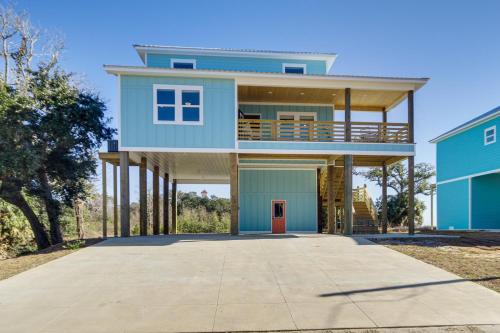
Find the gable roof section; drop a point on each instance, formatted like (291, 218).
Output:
(329, 58)
(471, 123)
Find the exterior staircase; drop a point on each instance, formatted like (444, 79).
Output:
(364, 210)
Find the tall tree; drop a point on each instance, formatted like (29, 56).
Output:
(397, 180)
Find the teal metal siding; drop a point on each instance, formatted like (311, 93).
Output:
(486, 202)
(465, 154)
(270, 112)
(259, 187)
(340, 147)
(237, 63)
(136, 118)
(453, 205)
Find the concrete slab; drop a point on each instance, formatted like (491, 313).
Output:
(210, 283)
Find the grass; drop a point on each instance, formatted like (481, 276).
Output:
(474, 255)
(13, 266)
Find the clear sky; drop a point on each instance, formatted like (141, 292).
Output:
(455, 43)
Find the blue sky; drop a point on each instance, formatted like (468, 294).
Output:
(455, 43)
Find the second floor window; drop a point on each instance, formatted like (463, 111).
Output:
(490, 135)
(178, 105)
(183, 63)
(294, 68)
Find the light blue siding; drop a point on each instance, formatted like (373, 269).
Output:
(259, 187)
(465, 154)
(270, 112)
(453, 205)
(136, 118)
(236, 63)
(340, 147)
(486, 202)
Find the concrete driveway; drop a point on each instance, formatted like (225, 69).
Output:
(223, 283)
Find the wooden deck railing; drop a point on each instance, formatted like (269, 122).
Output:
(320, 131)
(360, 194)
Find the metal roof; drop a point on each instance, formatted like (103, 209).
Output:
(474, 121)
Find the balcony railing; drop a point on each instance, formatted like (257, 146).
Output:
(320, 131)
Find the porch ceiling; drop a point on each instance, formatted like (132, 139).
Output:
(361, 100)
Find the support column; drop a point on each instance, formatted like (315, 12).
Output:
(165, 204)
(332, 225)
(174, 206)
(143, 197)
(411, 167)
(104, 201)
(115, 201)
(156, 200)
(124, 195)
(319, 199)
(348, 216)
(233, 160)
(384, 198)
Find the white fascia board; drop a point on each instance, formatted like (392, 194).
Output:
(280, 79)
(464, 128)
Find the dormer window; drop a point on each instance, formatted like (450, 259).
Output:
(294, 69)
(183, 63)
(490, 135)
(177, 104)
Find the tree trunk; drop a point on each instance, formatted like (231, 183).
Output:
(79, 218)
(11, 194)
(52, 208)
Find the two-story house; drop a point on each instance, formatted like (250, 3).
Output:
(468, 174)
(277, 126)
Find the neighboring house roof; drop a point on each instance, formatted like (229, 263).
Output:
(328, 57)
(471, 123)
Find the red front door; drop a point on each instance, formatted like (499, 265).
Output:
(279, 216)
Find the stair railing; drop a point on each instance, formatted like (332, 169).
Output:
(360, 194)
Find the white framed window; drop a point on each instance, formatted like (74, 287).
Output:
(177, 104)
(183, 63)
(294, 68)
(490, 135)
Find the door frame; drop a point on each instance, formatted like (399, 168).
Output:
(272, 212)
(296, 114)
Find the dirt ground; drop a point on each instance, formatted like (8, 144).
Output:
(13, 266)
(474, 255)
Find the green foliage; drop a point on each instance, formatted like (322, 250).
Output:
(397, 180)
(16, 236)
(74, 244)
(201, 221)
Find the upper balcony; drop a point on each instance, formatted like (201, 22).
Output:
(321, 131)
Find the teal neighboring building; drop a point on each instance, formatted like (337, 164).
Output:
(468, 175)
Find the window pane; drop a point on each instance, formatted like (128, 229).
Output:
(166, 113)
(165, 96)
(190, 114)
(278, 209)
(489, 139)
(186, 65)
(190, 98)
(490, 132)
(294, 70)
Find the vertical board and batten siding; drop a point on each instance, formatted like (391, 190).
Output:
(270, 112)
(259, 187)
(236, 63)
(453, 205)
(486, 202)
(136, 118)
(465, 154)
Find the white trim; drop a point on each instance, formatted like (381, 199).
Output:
(264, 151)
(296, 115)
(178, 89)
(469, 176)
(494, 128)
(470, 203)
(285, 65)
(285, 103)
(464, 128)
(183, 61)
(146, 59)
(280, 79)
